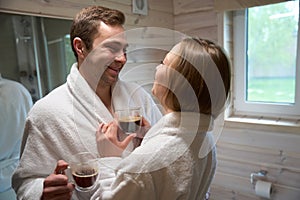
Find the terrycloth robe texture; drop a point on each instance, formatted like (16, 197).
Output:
(174, 161)
(15, 103)
(64, 123)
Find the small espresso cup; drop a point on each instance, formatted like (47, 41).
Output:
(129, 120)
(84, 169)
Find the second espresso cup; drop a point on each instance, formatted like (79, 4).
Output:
(84, 169)
(129, 120)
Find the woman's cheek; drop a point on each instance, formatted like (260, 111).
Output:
(158, 91)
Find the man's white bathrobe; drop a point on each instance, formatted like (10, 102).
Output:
(176, 160)
(64, 123)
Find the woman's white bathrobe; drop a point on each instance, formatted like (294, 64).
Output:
(64, 123)
(176, 160)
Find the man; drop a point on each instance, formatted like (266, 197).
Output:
(15, 102)
(65, 121)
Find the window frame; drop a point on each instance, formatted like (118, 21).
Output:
(261, 109)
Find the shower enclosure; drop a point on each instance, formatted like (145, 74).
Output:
(35, 52)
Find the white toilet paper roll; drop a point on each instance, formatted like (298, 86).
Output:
(263, 189)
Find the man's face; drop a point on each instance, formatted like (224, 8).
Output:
(112, 40)
(104, 62)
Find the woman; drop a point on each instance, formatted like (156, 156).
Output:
(176, 159)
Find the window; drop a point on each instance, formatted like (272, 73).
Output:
(266, 62)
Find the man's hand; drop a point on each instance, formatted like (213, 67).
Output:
(56, 185)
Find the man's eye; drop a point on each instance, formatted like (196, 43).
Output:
(113, 50)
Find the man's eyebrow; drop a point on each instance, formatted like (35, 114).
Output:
(118, 43)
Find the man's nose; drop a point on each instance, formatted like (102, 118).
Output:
(122, 58)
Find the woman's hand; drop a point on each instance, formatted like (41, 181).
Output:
(145, 126)
(108, 142)
(56, 185)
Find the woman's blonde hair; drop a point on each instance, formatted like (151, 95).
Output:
(203, 65)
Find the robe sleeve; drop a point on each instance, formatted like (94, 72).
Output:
(128, 186)
(44, 146)
(35, 165)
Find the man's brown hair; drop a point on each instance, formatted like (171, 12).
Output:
(86, 22)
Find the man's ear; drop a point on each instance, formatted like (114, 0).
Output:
(79, 47)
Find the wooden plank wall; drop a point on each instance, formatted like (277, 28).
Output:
(196, 18)
(243, 148)
(160, 12)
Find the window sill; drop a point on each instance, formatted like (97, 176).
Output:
(261, 123)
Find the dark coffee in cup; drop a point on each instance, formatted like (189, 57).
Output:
(130, 124)
(85, 178)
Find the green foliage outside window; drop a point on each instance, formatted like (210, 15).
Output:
(271, 52)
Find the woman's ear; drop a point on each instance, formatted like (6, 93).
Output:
(79, 47)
